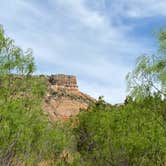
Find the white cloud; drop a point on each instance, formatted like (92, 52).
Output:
(139, 8)
(69, 36)
(78, 10)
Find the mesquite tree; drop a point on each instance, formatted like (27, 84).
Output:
(26, 135)
(149, 76)
(14, 64)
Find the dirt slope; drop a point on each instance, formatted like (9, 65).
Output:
(64, 100)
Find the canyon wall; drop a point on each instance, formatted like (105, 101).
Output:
(64, 99)
(66, 81)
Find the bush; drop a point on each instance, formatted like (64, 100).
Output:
(128, 135)
(27, 137)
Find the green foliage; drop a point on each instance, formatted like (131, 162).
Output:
(13, 59)
(27, 137)
(149, 76)
(134, 133)
(130, 135)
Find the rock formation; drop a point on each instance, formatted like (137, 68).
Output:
(64, 99)
(63, 81)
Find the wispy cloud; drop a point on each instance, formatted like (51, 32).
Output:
(86, 38)
(139, 9)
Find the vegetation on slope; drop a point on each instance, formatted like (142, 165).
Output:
(133, 134)
(26, 135)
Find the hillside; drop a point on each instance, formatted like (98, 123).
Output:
(34, 108)
(64, 99)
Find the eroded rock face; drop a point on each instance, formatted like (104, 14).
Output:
(64, 99)
(64, 81)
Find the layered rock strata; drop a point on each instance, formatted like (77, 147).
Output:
(64, 100)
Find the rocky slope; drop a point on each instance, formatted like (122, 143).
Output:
(64, 100)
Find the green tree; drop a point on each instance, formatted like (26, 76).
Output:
(130, 135)
(27, 137)
(133, 134)
(149, 76)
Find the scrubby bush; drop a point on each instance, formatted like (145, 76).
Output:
(133, 134)
(27, 137)
(129, 135)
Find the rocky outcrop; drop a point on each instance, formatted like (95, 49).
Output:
(64, 100)
(63, 81)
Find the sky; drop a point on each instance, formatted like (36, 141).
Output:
(96, 40)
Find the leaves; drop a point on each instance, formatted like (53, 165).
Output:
(133, 134)
(26, 135)
(147, 78)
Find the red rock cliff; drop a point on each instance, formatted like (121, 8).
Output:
(64, 99)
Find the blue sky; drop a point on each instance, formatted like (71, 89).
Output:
(96, 40)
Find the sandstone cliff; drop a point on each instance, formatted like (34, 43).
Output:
(64, 100)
